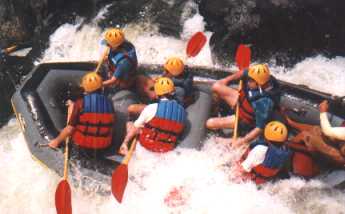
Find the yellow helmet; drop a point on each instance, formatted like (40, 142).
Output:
(91, 82)
(260, 73)
(174, 66)
(164, 86)
(114, 37)
(276, 131)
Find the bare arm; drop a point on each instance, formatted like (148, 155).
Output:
(111, 81)
(131, 133)
(234, 76)
(254, 133)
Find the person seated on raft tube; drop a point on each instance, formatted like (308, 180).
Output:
(122, 65)
(324, 139)
(258, 98)
(183, 81)
(160, 124)
(266, 157)
(90, 119)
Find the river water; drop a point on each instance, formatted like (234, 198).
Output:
(205, 178)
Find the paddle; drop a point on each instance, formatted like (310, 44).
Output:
(195, 44)
(120, 175)
(63, 199)
(100, 62)
(243, 54)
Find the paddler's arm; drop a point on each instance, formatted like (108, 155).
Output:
(234, 76)
(263, 109)
(112, 81)
(133, 128)
(132, 131)
(252, 135)
(72, 116)
(332, 132)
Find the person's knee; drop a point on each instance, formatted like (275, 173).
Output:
(211, 123)
(216, 87)
(135, 109)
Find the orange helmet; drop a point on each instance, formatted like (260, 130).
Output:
(163, 86)
(260, 73)
(174, 66)
(114, 37)
(276, 131)
(91, 82)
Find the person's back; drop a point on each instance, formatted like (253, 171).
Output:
(159, 125)
(162, 132)
(257, 104)
(93, 127)
(122, 59)
(267, 157)
(90, 119)
(183, 81)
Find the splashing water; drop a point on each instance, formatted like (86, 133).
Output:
(204, 177)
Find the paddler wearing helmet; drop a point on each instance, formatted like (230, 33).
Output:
(90, 119)
(183, 81)
(258, 98)
(266, 157)
(160, 125)
(122, 65)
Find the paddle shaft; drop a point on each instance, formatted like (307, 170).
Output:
(65, 171)
(101, 60)
(234, 137)
(130, 152)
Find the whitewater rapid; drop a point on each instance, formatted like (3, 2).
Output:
(205, 176)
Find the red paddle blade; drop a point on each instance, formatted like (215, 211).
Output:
(243, 55)
(63, 201)
(119, 181)
(195, 44)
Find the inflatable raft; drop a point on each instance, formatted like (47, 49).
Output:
(39, 105)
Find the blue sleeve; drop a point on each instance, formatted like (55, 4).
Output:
(263, 109)
(245, 73)
(123, 69)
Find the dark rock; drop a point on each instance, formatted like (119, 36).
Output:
(283, 30)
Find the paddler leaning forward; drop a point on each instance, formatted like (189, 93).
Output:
(159, 125)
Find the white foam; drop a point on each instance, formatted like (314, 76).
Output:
(204, 175)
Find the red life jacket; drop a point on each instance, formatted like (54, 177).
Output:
(302, 162)
(246, 111)
(162, 132)
(95, 123)
(271, 89)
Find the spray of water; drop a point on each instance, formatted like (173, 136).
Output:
(204, 179)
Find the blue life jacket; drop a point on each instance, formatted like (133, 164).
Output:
(125, 51)
(162, 132)
(276, 157)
